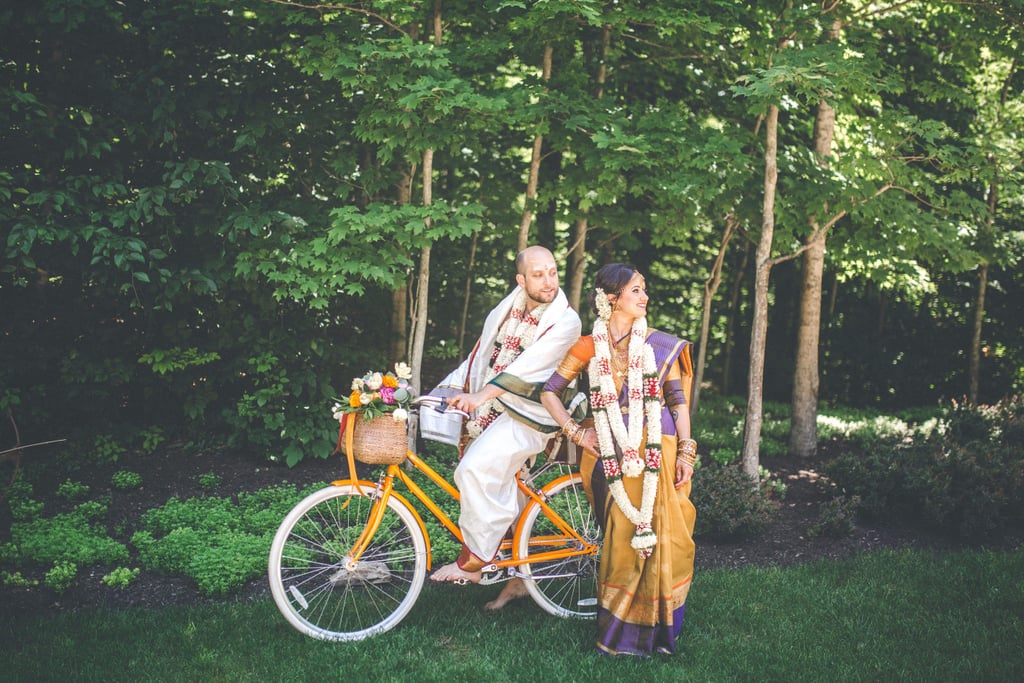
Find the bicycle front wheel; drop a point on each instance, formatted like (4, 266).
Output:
(324, 595)
(565, 587)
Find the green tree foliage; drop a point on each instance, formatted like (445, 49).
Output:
(199, 204)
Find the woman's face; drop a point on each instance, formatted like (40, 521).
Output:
(633, 298)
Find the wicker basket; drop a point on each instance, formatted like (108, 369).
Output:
(381, 441)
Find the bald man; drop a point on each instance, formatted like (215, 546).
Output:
(523, 340)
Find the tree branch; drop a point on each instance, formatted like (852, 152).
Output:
(342, 8)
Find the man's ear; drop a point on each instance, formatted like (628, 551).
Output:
(520, 280)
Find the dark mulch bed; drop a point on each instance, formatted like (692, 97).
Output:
(174, 471)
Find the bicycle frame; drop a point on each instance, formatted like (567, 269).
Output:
(384, 488)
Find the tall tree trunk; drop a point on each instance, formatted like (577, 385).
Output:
(577, 257)
(803, 431)
(710, 287)
(398, 346)
(467, 293)
(974, 359)
(535, 157)
(419, 326)
(730, 322)
(974, 368)
(750, 454)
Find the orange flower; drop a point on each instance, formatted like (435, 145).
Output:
(353, 399)
(390, 381)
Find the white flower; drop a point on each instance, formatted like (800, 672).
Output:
(365, 399)
(357, 384)
(374, 381)
(403, 371)
(400, 414)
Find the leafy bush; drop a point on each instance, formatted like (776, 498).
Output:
(271, 417)
(73, 490)
(836, 518)
(61, 576)
(965, 478)
(729, 503)
(218, 543)
(74, 537)
(210, 480)
(124, 480)
(19, 499)
(17, 580)
(121, 577)
(775, 488)
(170, 554)
(105, 450)
(151, 439)
(229, 561)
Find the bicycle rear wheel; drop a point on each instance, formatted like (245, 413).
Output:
(564, 587)
(323, 595)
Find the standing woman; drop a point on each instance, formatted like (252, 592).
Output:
(637, 463)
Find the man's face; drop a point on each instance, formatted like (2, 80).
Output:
(540, 279)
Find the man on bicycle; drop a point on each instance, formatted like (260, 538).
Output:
(523, 339)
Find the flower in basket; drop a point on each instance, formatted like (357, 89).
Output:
(378, 393)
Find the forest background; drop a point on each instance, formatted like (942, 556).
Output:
(215, 213)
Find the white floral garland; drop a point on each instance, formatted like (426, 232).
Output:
(515, 336)
(644, 400)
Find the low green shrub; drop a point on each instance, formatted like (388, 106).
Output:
(218, 543)
(729, 503)
(17, 580)
(171, 553)
(150, 439)
(73, 490)
(229, 560)
(965, 478)
(61, 576)
(125, 480)
(77, 536)
(105, 450)
(121, 577)
(210, 480)
(773, 486)
(836, 518)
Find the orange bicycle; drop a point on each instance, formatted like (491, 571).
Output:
(349, 561)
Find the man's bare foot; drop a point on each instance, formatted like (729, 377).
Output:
(452, 573)
(513, 590)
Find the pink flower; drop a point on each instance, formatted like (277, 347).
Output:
(387, 395)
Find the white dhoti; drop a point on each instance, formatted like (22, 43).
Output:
(485, 476)
(487, 486)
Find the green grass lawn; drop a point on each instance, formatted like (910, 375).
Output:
(885, 616)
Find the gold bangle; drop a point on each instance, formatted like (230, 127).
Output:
(569, 431)
(688, 451)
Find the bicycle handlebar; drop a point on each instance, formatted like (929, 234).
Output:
(439, 404)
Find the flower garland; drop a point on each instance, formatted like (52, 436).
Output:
(644, 394)
(514, 337)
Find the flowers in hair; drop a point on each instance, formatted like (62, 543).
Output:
(644, 395)
(604, 309)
